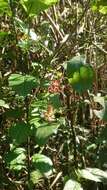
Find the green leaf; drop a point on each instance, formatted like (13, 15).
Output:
(39, 104)
(82, 79)
(19, 132)
(14, 113)
(99, 5)
(44, 132)
(94, 174)
(15, 159)
(36, 109)
(35, 176)
(22, 84)
(74, 64)
(4, 6)
(43, 164)
(102, 114)
(35, 122)
(33, 7)
(72, 185)
(25, 29)
(3, 104)
(3, 35)
(103, 9)
(55, 100)
(80, 74)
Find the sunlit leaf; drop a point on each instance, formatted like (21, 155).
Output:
(33, 7)
(25, 29)
(35, 176)
(94, 174)
(99, 5)
(3, 104)
(72, 185)
(44, 132)
(80, 74)
(4, 7)
(22, 84)
(101, 114)
(15, 159)
(43, 164)
(74, 64)
(3, 35)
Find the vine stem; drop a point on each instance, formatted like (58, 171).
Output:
(54, 25)
(74, 144)
(71, 121)
(28, 139)
(13, 31)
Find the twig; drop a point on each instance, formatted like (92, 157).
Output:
(101, 49)
(71, 122)
(67, 37)
(56, 179)
(54, 25)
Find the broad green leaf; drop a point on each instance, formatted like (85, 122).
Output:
(34, 7)
(3, 104)
(82, 79)
(14, 113)
(86, 174)
(80, 74)
(74, 64)
(94, 174)
(15, 159)
(44, 132)
(72, 185)
(101, 114)
(19, 132)
(55, 100)
(4, 6)
(35, 176)
(22, 84)
(43, 164)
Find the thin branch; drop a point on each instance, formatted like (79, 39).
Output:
(101, 49)
(54, 25)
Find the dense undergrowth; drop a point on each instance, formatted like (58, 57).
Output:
(53, 95)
